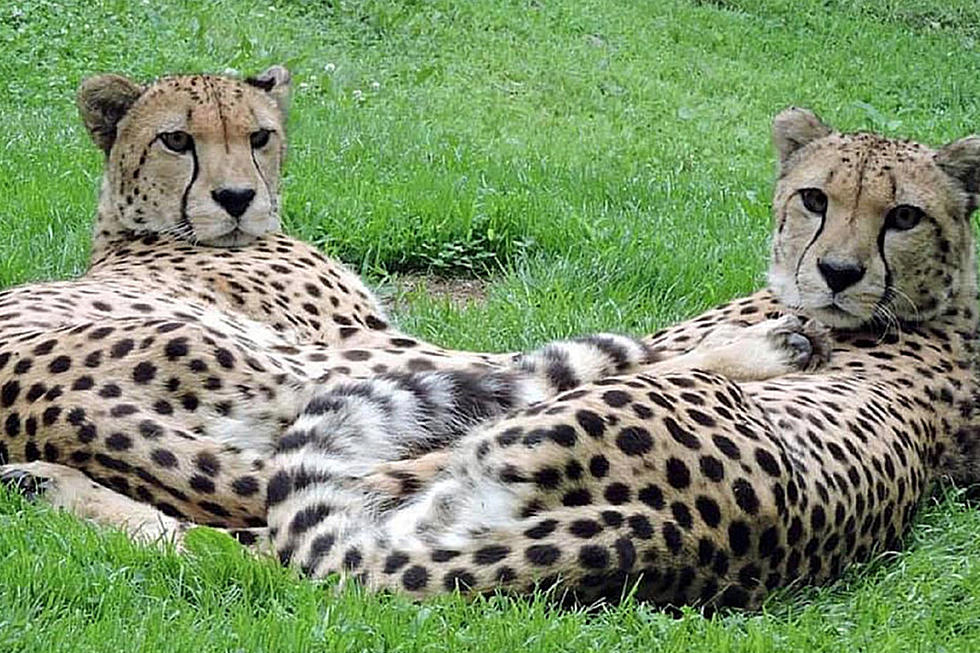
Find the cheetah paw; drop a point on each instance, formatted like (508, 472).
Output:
(765, 350)
(28, 485)
(805, 346)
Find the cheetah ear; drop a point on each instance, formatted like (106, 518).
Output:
(961, 161)
(792, 129)
(103, 100)
(275, 82)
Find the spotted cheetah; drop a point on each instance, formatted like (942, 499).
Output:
(187, 228)
(684, 485)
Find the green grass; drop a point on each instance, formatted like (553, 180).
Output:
(604, 164)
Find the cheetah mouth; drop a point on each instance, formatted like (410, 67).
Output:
(237, 237)
(836, 316)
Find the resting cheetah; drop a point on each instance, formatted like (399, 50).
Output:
(187, 224)
(686, 484)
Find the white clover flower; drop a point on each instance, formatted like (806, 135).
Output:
(357, 94)
(330, 67)
(375, 85)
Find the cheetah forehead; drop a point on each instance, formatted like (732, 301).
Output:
(202, 105)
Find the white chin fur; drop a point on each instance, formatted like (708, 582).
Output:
(235, 238)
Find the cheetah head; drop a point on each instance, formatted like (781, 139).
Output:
(868, 229)
(196, 157)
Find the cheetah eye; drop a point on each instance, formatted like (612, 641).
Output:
(903, 217)
(259, 138)
(814, 200)
(177, 141)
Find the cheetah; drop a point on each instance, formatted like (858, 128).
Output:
(686, 486)
(188, 268)
(187, 227)
(681, 484)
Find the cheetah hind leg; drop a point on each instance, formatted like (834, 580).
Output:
(68, 489)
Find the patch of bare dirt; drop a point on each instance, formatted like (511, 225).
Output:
(456, 290)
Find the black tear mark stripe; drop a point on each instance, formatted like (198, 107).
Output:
(806, 250)
(187, 191)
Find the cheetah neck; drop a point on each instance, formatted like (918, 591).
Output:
(108, 231)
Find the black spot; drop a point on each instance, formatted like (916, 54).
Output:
(121, 348)
(59, 364)
(458, 579)
(395, 561)
(634, 441)
(415, 578)
(653, 496)
(617, 493)
(444, 555)
(489, 555)
(577, 497)
(709, 510)
(681, 435)
(542, 555)
(745, 496)
(767, 462)
(201, 484)
(616, 398)
(547, 478)
(599, 466)
(726, 446)
(150, 430)
(543, 529)
(563, 435)
(584, 528)
(640, 526)
(245, 486)
(207, 463)
(735, 597)
(119, 442)
(590, 423)
(9, 393)
(678, 475)
(225, 358)
(738, 538)
(672, 537)
(308, 517)
(144, 372)
(682, 514)
(163, 458)
(818, 519)
(352, 559)
(593, 557)
(176, 348)
(712, 468)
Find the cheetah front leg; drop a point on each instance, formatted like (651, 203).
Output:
(67, 488)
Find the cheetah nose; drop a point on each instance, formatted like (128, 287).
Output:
(840, 274)
(234, 200)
